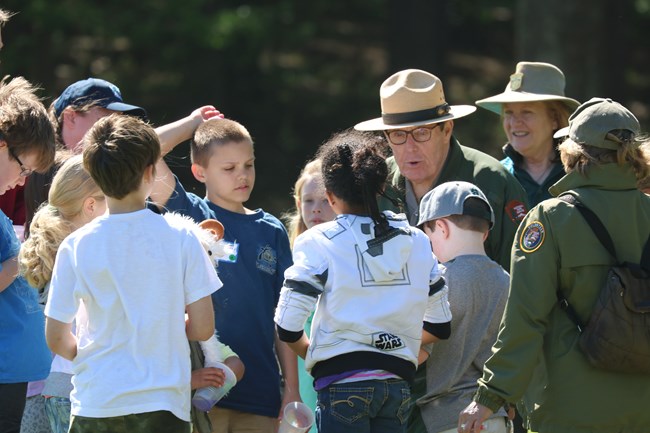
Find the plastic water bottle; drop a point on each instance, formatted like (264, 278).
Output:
(205, 398)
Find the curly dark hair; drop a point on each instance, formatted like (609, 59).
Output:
(354, 170)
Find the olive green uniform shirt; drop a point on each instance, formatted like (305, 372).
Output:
(505, 194)
(536, 355)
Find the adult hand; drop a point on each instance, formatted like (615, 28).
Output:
(209, 376)
(472, 417)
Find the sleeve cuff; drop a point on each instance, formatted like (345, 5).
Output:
(288, 336)
(488, 399)
(440, 330)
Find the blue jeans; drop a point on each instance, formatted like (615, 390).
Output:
(58, 412)
(369, 406)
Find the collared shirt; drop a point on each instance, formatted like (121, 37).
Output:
(536, 192)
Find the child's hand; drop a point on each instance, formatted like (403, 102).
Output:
(209, 376)
(206, 112)
(423, 355)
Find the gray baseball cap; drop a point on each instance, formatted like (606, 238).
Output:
(449, 199)
(591, 123)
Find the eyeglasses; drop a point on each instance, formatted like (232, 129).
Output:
(24, 171)
(421, 134)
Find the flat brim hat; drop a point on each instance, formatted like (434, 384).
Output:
(531, 82)
(450, 198)
(593, 121)
(413, 98)
(97, 92)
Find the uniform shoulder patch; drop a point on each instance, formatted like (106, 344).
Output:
(532, 237)
(516, 211)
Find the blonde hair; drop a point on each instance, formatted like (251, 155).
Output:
(558, 111)
(53, 221)
(295, 224)
(216, 132)
(644, 182)
(579, 156)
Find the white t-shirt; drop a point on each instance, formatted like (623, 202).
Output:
(134, 273)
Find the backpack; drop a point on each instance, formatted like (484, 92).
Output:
(617, 335)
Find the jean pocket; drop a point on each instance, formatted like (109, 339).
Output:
(349, 404)
(404, 410)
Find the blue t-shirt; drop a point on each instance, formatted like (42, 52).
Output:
(252, 276)
(24, 356)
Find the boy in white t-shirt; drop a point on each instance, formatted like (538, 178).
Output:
(128, 278)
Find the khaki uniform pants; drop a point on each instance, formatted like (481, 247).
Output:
(233, 421)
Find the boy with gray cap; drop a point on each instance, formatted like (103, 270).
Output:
(457, 217)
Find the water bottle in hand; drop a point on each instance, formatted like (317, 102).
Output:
(205, 398)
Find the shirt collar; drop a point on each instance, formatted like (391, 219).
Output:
(610, 176)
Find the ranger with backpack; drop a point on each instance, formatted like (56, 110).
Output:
(562, 276)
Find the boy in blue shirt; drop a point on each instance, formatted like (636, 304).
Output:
(26, 145)
(259, 252)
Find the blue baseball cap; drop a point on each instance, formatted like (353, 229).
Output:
(98, 91)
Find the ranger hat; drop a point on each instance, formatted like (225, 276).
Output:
(99, 92)
(450, 198)
(593, 121)
(531, 82)
(413, 98)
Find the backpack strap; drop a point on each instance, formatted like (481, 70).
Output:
(603, 236)
(606, 240)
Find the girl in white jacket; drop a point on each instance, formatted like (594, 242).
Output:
(377, 292)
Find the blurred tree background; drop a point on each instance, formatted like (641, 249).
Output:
(293, 72)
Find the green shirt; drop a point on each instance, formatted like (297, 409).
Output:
(505, 194)
(536, 355)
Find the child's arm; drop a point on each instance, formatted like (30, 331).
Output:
(200, 319)
(300, 346)
(8, 273)
(170, 136)
(236, 365)
(208, 376)
(60, 338)
(289, 367)
(214, 376)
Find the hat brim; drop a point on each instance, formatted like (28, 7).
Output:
(455, 112)
(495, 102)
(128, 109)
(563, 132)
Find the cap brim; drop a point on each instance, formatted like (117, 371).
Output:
(495, 102)
(563, 132)
(133, 110)
(455, 112)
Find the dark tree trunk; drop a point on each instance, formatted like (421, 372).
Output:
(418, 35)
(587, 40)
